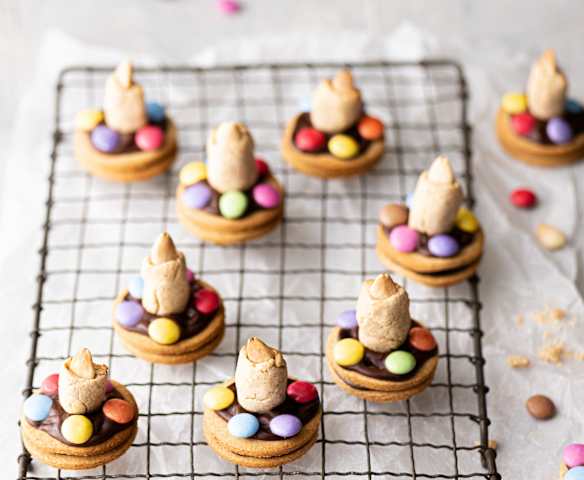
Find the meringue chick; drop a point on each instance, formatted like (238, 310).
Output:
(336, 138)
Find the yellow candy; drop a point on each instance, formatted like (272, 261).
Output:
(164, 331)
(77, 429)
(466, 221)
(514, 103)
(87, 120)
(218, 398)
(192, 173)
(343, 146)
(348, 351)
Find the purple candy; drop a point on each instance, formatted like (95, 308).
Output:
(404, 239)
(190, 275)
(197, 195)
(109, 386)
(265, 195)
(347, 319)
(129, 313)
(105, 139)
(443, 245)
(285, 425)
(559, 131)
(574, 455)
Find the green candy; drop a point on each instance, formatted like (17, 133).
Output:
(233, 204)
(400, 362)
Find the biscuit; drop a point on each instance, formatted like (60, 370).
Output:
(431, 271)
(47, 449)
(534, 153)
(223, 231)
(374, 389)
(325, 165)
(184, 351)
(563, 470)
(129, 166)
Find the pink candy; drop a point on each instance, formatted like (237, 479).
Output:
(149, 138)
(50, 385)
(574, 455)
(404, 239)
(266, 196)
(229, 7)
(190, 275)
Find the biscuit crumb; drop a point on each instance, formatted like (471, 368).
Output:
(492, 444)
(547, 335)
(519, 320)
(518, 361)
(549, 315)
(553, 353)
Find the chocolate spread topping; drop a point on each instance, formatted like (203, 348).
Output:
(103, 427)
(304, 411)
(191, 321)
(373, 363)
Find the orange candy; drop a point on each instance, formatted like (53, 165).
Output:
(370, 128)
(119, 411)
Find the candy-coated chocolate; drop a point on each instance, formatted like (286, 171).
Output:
(404, 239)
(443, 245)
(192, 173)
(550, 237)
(77, 429)
(421, 339)
(523, 123)
(262, 166)
(309, 140)
(37, 407)
(541, 407)
(197, 196)
(466, 221)
(573, 106)
(343, 146)
(105, 139)
(50, 385)
(347, 319)
(302, 392)
(129, 313)
(393, 214)
(218, 397)
(523, 198)
(190, 275)
(266, 196)
(370, 128)
(87, 120)
(206, 301)
(149, 138)
(559, 131)
(348, 351)
(409, 199)
(136, 286)
(155, 111)
(233, 204)
(243, 425)
(400, 362)
(285, 425)
(164, 331)
(514, 103)
(576, 473)
(109, 386)
(229, 7)
(119, 410)
(574, 455)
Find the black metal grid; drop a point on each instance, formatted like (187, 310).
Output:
(286, 288)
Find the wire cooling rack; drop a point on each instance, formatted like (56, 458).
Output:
(286, 288)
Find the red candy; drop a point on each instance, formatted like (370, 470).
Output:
(206, 301)
(370, 128)
(523, 198)
(149, 138)
(119, 411)
(422, 339)
(302, 392)
(310, 139)
(262, 166)
(523, 123)
(50, 385)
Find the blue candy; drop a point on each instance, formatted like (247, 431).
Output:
(409, 199)
(156, 113)
(576, 473)
(243, 425)
(136, 286)
(572, 106)
(37, 407)
(305, 104)
(347, 319)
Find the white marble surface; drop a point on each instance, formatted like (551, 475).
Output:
(494, 40)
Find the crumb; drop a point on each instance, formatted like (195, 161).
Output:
(492, 444)
(518, 361)
(549, 315)
(519, 320)
(579, 356)
(547, 335)
(553, 353)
